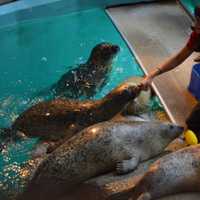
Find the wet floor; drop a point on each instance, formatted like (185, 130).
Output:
(155, 32)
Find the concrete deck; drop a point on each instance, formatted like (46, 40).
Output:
(154, 32)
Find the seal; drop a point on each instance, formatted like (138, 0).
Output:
(96, 150)
(140, 104)
(86, 79)
(57, 119)
(174, 173)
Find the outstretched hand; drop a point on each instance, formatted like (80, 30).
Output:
(145, 83)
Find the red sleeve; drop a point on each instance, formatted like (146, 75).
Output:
(192, 42)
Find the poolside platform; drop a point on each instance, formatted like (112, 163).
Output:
(154, 32)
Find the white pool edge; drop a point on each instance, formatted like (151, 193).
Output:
(142, 66)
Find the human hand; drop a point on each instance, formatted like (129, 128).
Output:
(145, 83)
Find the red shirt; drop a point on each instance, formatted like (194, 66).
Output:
(194, 41)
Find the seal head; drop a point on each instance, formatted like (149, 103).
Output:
(88, 78)
(103, 54)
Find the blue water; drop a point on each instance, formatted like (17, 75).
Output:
(34, 54)
(190, 5)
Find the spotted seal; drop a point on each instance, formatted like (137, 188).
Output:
(88, 78)
(57, 119)
(178, 172)
(96, 150)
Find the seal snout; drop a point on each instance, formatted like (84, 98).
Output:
(181, 128)
(115, 49)
(176, 130)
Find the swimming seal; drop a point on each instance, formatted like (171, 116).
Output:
(88, 78)
(95, 150)
(174, 173)
(57, 119)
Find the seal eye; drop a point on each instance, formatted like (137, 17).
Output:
(171, 127)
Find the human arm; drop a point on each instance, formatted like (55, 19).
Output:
(168, 65)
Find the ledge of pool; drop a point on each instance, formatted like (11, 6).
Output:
(19, 10)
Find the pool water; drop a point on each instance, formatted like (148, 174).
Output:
(34, 54)
(190, 5)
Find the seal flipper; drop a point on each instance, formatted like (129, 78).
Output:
(126, 166)
(8, 136)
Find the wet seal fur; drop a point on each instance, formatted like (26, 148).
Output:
(96, 150)
(178, 172)
(140, 104)
(88, 78)
(60, 119)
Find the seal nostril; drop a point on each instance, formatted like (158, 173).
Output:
(181, 128)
